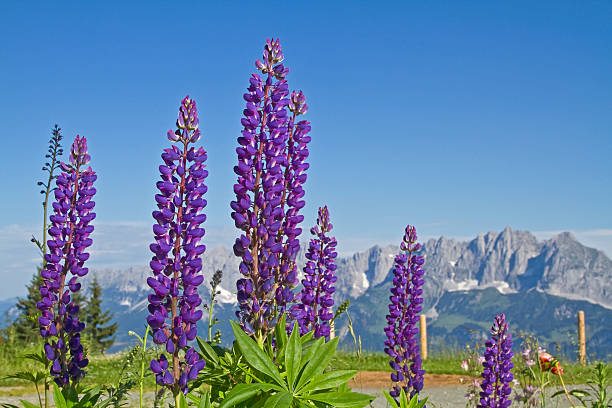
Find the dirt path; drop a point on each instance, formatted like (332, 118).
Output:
(381, 379)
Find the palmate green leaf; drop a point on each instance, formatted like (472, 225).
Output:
(26, 376)
(255, 356)
(318, 361)
(281, 399)
(331, 379)
(38, 357)
(244, 392)
(342, 399)
(293, 356)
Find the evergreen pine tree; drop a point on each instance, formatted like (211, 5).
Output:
(25, 325)
(100, 337)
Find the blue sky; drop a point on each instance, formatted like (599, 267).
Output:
(457, 117)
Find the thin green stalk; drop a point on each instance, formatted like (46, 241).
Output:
(210, 318)
(565, 389)
(38, 393)
(142, 363)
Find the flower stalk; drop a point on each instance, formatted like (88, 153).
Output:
(271, 171)
(177, 262)
(497, 366)
(69, 238)
(313, 313)
(406, 304)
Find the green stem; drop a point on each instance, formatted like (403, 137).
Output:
(210, 315)
(177, 400)
(142, 364)
(565, 389)
(46, 393)
(38, 393)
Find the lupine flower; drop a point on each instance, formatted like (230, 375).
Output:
(314, 311)
(497, 374)
(549, 363)
(406, 299)
(177, 262)
(271, 171)
(68, 242)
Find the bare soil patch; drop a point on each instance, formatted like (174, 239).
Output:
(381, 379)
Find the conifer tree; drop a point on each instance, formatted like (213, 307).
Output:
(100, 335)
(25, 325)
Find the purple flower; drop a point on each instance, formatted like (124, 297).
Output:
(401, 331)
(177, 263)
(314, 311)
(271, 171)
(68, 242)
(497, 365)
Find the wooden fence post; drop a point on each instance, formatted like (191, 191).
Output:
(423, 324)
(581, 337)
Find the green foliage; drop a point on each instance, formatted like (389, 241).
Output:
(25, 326)
(100, 337)
(595, 394)
(213, 321)
(403, 401)
(37, 377)
(142, 347)
(299, 377)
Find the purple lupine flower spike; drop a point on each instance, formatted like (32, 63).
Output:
(271, 171)
(497, 364)
(401, 331)
(69, 240)
(177, 263)
(314, 311)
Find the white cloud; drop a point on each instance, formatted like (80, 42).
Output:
(116, 245)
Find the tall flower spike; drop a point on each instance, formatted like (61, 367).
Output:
(314, 311)
(271, 171)
(68, 242)
(497, 366)
(177, 263)
(401, 331)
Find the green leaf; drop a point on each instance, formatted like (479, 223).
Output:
(58, 398)
(182, 401)
(404, 399)
(208, 352)
(280, 332)
(343, 399)
(293, 356)
(244, 392)
(205, 400)
(23, 375)
(254, 355)
(27, 404)
(319, 361)
(390, 399)
(9, 406)
(327, 380)
(281, 399)
(420, 404)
